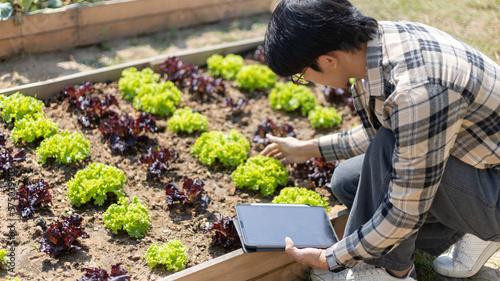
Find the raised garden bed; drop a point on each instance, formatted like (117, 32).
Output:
(80, 25)
(103, 248)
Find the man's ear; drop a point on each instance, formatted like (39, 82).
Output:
(328, 60)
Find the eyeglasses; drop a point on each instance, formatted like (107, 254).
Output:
(298, 78)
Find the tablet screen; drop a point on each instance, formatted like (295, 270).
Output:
(267, 225)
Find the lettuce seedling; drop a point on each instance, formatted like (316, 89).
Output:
(133, 218)
(255, 78)
(226, 67)
(177, 71)
(124, 133)
(173, 255)
(3, 258)
(187, 121)
(225, 235)
(30, 196)
(95, 182)
(7, 159)
(192, 194)
(157, 160)
(100, 274)
(64, 147)
(132, 80)
(318, 170)
(61, 235)
(34, 127)
(268, 127)
(229, 149)
(324, 117)
(17, 106)
(236, 107)
(300, 195)
(290, 97)
(261, 173)
(158, 98)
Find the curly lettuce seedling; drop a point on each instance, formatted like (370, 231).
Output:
(173, 255)
(18, 106)
(34, 127)
(229, 149)
(133, 218)
(3, 258)
(158, 98)
(64, 147)
(324, 117)
(185, 120)
(300, 195)
(261, 173)
(95, 182)
(226, 67)
(290, 97)
(132, 79)
(255, 78)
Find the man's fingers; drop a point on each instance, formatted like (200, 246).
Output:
(290, 248)
(268, 149)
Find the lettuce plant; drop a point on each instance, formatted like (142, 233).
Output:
(226, 67)
(133, 218)
(300, 195)
(173, 255)
(229, 149)
(261, 173)
(30, 196)
(324, 117)
(132, 79)
(185, 120)
(33, 127)
(158, 98)
(17, 106)
(100, 274)
(64, 147)
(3, 258)
(290, 97)
(95, 182)
(225, 235)
(157, 160)
(255, 77)
(61, 235)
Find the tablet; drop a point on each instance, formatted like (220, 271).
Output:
(263, 227)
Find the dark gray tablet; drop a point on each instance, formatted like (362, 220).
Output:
(263, 227)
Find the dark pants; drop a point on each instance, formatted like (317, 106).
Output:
(467, 201)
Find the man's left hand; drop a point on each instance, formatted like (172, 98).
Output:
(311, 257)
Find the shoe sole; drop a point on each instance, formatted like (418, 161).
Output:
(485, 256)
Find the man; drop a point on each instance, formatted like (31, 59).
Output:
(424, 168)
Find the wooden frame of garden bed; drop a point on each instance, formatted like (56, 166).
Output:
(80, 25)
(236, 265)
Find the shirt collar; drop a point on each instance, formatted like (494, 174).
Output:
(374, 72)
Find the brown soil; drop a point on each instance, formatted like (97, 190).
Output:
(103, 248)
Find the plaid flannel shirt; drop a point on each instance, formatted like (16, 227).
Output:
(440, 97)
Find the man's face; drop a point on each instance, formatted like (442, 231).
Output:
(331, 75)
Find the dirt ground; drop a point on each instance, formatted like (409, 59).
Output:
(103, 248)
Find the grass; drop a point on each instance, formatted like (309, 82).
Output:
(476, 22)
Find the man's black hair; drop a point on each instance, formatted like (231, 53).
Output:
(302, 30)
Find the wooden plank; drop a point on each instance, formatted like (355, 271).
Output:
(48, 23)
(262, 266)
(9, 29)
(56, 40)
(10, 46)
(94, 33)
(52, 87)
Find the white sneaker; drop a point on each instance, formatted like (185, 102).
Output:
(466, 257)
(363, 272)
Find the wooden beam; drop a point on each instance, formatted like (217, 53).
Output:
(52, 87)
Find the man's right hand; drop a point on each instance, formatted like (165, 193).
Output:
(291, 150)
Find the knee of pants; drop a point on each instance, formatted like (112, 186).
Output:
(344, 184)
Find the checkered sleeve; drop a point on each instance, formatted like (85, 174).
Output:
(344, 145)
(425, 121)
